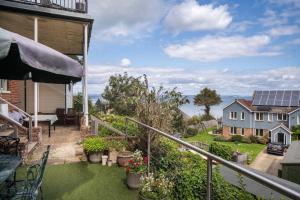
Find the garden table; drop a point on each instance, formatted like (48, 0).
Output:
(49, 119)
(8, 166)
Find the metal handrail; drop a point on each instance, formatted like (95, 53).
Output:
(96, 122)
(80, 6)
(210, 157)
(25, 113)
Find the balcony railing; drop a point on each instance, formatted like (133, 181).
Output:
(80, 6)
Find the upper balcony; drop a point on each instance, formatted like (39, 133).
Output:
(78, 6)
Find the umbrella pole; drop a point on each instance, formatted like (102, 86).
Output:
(35, 84)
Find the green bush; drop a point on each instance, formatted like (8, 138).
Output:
(220, 138)
(188, 171)
(236, 138)
(221, 150)
(253, 139)
(94, 145)
(117, 122)
(262, 140)
(246, 140)
(190, 132)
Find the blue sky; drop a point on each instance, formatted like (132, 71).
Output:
(234, 47)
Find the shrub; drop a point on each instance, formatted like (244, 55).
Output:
(236, 138)
(118, 122)
(94, 145)
(194, 120)
(253, 139)
(117, 145)
(262, 140)
(220, 138)
(191, 132)
(187, 171)
(246, 140)
(221, 150)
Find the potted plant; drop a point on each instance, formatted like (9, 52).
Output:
(94, 147)
(124, 156)
(135, 169)
(155, 188)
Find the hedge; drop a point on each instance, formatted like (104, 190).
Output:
(222, 150)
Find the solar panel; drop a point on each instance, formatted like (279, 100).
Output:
(287, 98)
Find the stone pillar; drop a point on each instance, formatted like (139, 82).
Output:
(37, 134)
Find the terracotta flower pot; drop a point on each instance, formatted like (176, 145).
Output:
(124, 157)
(133, 180)
(95, 157)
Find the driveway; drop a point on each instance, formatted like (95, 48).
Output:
(267, 163)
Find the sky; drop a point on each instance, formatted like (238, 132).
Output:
(234, 47)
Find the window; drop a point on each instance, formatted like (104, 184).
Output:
(233, 115)
(233, 130)
(3, 85)
(298, 120)
(270, 117)
(242, 131)
(259, 116)
(270, 134)
(281, 117)
(259, 132)
(242, 116)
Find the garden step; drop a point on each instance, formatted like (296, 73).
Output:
(2, 127)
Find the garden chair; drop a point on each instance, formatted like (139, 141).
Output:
(31, 187)
(61, 116)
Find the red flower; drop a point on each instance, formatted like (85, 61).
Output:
(128, 169)
(130, 161)
(146, 160)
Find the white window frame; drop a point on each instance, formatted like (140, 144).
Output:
(3, 85)
(233, 115)
(242, 131)
(298, 120)
(259, 133)
(261, 118)
(270, 117)
(233, 130)
(242, 116)
(282, 118)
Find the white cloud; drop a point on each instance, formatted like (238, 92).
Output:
(190, 16)
(294, 3)
(213, 48)
(226, 83)
(125, 62)
(284, 30)
(124, 19)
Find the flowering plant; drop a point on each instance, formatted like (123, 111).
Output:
(137, 164)
(155, 188)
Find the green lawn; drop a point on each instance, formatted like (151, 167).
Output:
(83, 181)
(252, 149)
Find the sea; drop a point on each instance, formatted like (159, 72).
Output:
(191, 109)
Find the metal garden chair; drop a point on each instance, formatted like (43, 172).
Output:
(31, 187)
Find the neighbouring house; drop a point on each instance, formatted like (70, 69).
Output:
(269, 114)
(291, 163)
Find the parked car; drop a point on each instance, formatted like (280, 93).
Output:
(276, 148)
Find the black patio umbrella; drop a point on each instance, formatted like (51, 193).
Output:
(22, 58)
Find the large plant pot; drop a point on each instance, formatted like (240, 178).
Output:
(133, 180)
(95, 157)
(240, 158)
(124, 157)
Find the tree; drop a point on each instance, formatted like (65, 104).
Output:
(157, 108)
(207, 98)
(78, 104)
(100, 106)
(119, 93)
(296, 132)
